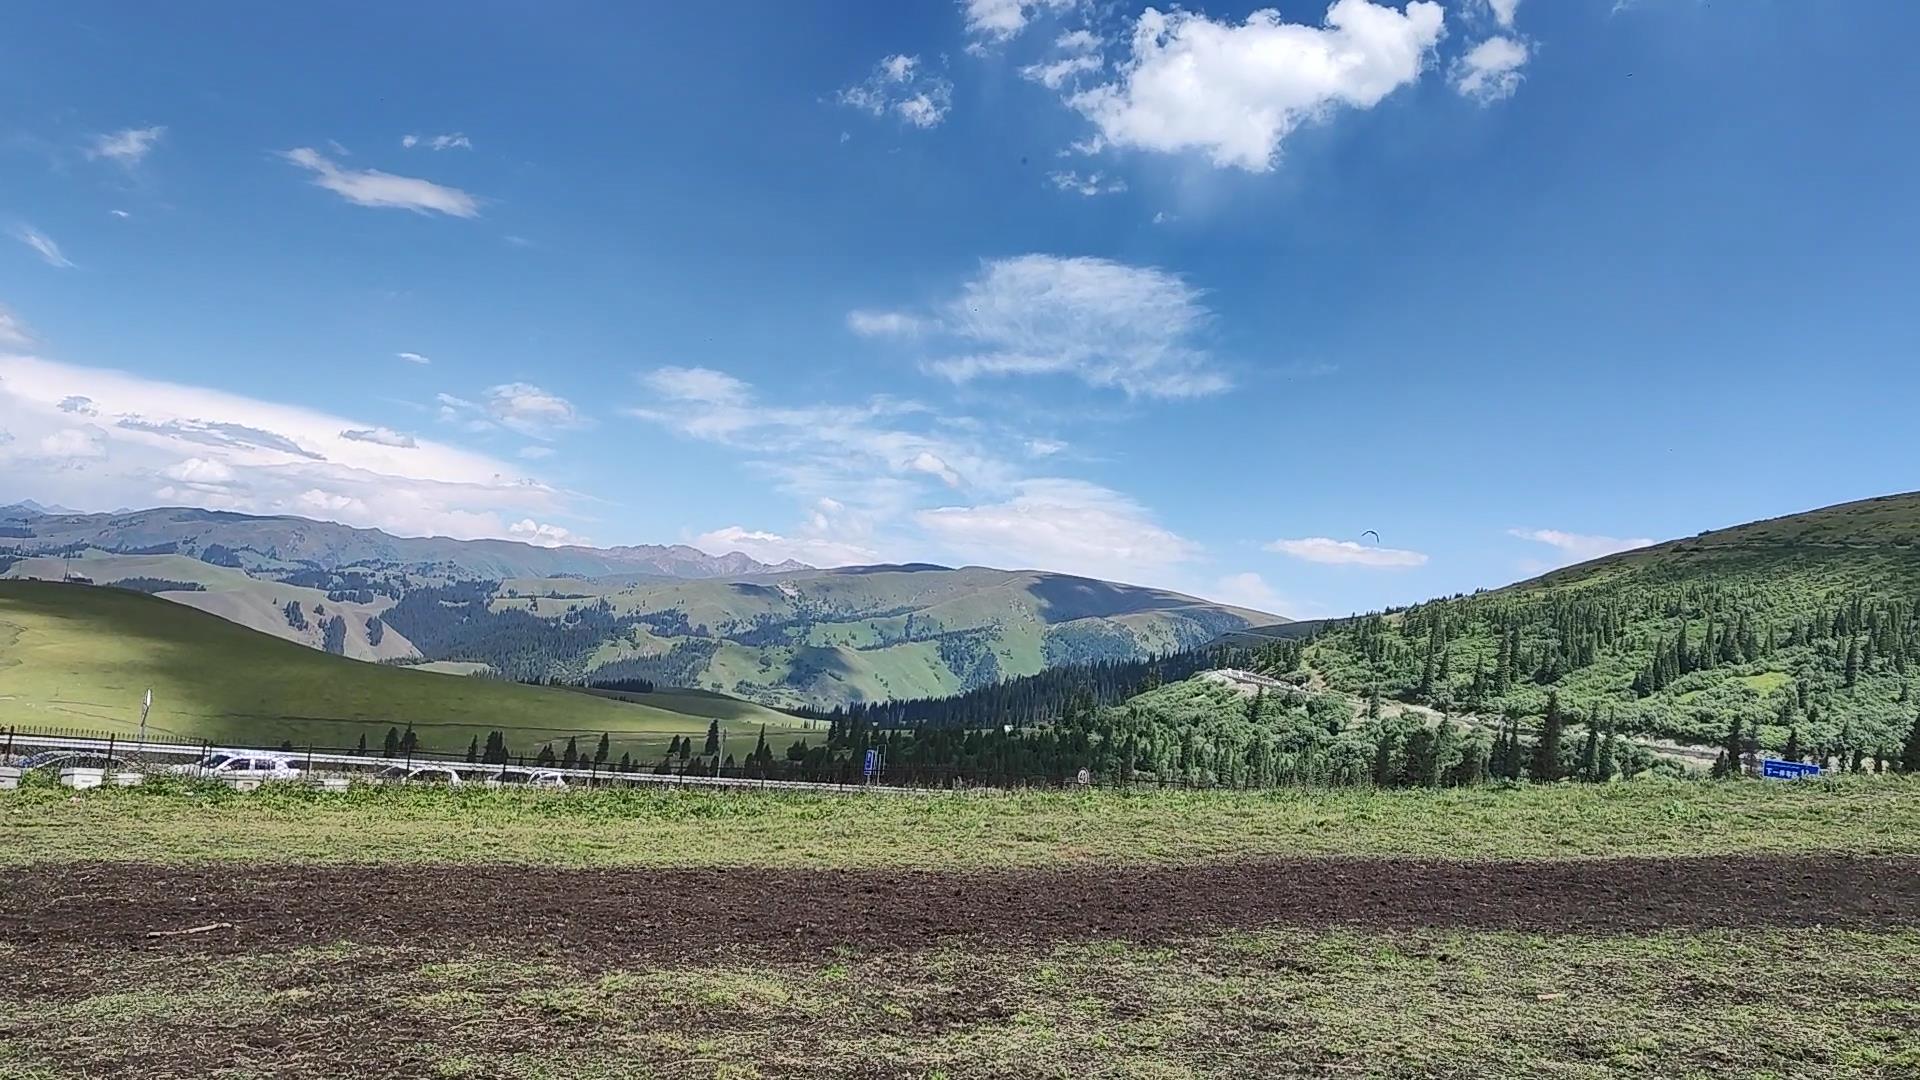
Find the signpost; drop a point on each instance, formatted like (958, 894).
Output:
(1787, 770)
(873, 763)
(146, 706)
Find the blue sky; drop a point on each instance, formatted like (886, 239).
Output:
(1188, 298)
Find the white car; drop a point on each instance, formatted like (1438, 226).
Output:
(418, 774)
(540, 778)
(226, 765)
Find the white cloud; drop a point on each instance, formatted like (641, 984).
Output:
(885, 324)
(1236, 92)
(43, 244)
(931, 464)
(1001, 20)
(1503, 11)
(1069, 526)
(1044, 447)
(381, 436)
(703, 385)
(540, 533)
(142, 439)
(413, 358)
(771, 547)
(518, 407)
(1579, 547)
(1490, 71)
(898, 85)
(371, 187)
(199, 472)
(72, 443)
(128, 146)
(121, 214)
(1319, 549)
(531, 411)
(1103, 322)
(454, 141)
(1078, 55)
(1094, 183)
(13, 332)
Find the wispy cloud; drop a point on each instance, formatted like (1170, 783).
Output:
(371, 187)
(128, 146)
(94, 436)
(1063, 525)
(43, 244)
(413, 358)
(1320, 549)
(453, 141)
(1093, 183)
(1105, 323)
(885, 324)
(519, 407)
(1579, 547)
(900, 85)
(13, 332)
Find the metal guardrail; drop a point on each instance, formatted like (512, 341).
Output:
(306, 760)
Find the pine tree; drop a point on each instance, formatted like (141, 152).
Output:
(713, 739)
(1853, 661)
(409, 742)
(545, 757)
(570, 758)
(1608, 749)
(1910, 753)
(603, 751)
(1793, 751)
(1590, 753)
(362, 748)
(1546, 753)
(391, 746)
(626, 762)
(1731, 751)
(473, 751)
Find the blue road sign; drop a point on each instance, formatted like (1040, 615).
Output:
(873, 763)
(1787, 770)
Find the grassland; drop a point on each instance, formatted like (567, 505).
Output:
(1265, 1004)
(1646, 818)
(82, 657)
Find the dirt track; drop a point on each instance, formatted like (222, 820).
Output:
(796, 912)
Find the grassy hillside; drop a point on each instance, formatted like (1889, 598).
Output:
(818, 638)
(81, 657)
(1803, 629)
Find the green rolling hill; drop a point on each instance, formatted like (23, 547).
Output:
(78, 656)
(1802, 628)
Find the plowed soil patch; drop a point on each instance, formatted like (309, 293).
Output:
(600, 913)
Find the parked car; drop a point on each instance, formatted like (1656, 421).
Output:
(418, 774)
(55, 760)
(541, 778)
(227, 764)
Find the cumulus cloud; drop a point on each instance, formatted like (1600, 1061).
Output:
(137, 440)
(1579, 547)
(43, 245)
(1106, 323)
(1234, 92)
(1064, 525)
(381, 436)
(1320, 549)
(1094, 183)
(371, 187)
(413, 358)
(454, 141)
(128, 146)
(900, 85)
(1502, 11)
(1490, 71)
(1002, 20)
(540, 533)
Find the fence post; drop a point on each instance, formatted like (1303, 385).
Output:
(309, 768)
